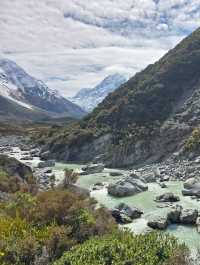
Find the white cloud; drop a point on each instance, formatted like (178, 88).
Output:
(71, 44)
(72, 69)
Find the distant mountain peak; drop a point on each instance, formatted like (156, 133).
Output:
(89, 98)
(25, 90)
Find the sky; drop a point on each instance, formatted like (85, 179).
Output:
(73, 44)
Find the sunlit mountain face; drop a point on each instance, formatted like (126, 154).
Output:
(70, 44)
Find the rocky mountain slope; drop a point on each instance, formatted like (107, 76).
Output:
(89, 98)
(30, 95)
(148, 119)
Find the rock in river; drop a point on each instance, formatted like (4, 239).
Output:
(158, 222)
(191, 187)
(92, 169)
(126, 187)
(167, 197)
(48, 163)
(132, 212)
(190, 183)
(191, 192)
(174, 213)
(188, 216)
(120, 218)
(125, 214)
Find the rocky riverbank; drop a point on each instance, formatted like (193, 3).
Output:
(23, 150)
(126, 188)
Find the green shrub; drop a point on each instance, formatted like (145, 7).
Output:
(193, 142)
(21, 243)
(53, 220)
(124, 248)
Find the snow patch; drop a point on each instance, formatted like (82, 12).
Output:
(5, 92)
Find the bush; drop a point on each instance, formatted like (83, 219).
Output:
(70, 177)
(21, 243)
(193, 142)
(53, 221)
(124, 248)
(77, 211)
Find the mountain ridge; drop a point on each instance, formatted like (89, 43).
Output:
(89, 98)
(147, 119)
(33, 94)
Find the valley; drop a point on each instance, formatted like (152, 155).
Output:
(97, 184)
(109, 176)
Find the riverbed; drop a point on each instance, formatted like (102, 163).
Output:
(144, 200)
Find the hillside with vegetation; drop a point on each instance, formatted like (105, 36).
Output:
(64, 226)
(146, 119)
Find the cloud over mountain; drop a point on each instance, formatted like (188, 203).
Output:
(60, 29)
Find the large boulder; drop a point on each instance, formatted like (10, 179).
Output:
(174, 213)
(188, 216)
(191, 192)
(15, 176)
(132, 212)
(13, 167)
(190, 183)
(124, 214)
(158, 222)
(126, 187)
(92, 169)
(167, 197)
(191, 187)
(120, 217)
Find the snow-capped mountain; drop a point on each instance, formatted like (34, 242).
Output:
(89, 98)
(24, 90)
